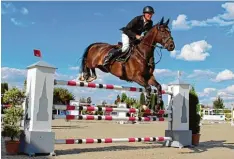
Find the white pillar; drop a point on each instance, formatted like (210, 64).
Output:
(180, 106)
(178, 128)
(38, 109)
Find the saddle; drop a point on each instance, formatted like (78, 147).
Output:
(124, 56)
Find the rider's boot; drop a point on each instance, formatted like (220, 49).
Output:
(111, 56)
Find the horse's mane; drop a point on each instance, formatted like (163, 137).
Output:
(159, 23)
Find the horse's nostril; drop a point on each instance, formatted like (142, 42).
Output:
(171, 45)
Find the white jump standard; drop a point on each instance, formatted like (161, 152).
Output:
(38, 107)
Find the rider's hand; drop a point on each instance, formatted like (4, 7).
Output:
(138, 37)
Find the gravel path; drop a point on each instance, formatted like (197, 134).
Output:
(217, 141)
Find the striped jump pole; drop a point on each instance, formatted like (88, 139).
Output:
(105, 86)
(106, 109)
(108, 117)
(112, 140)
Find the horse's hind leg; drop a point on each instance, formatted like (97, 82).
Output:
(85, 74)
(93, 76)
(153, 82)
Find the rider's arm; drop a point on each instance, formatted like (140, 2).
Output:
(149, 26)
(129, 27)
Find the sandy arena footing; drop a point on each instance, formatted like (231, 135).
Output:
(217, 141)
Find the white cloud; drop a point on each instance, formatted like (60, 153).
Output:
(225, 19)
(229, 7)
(98, 14)
(207, 92)
(164, 86)
(180, 22)
(60, 76)
(174, 53)
(13, 74)
(230, 89)
(10, 8)
(24, 11)
(164, 72)
(12, 12)
(195, 51)
(17, 23)
(74, 68)
(202, 74)
(224, 76)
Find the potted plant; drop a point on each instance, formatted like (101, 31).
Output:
(194, 117)
(12, 118)
(11, 128)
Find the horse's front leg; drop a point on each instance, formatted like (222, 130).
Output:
(148, 95)
(152, 81)
(144, 83)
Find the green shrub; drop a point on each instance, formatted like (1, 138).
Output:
(11, 127)
(194, 117)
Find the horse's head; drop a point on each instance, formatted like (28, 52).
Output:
(163, 35)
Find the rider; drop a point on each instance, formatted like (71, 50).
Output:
(134, 30)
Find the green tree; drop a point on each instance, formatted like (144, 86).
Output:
(218, 103)
(104, 102)
(4, 88)
(118, 99)
(14, 96)
(124, 97)
(152, 103)
(194, 117)
(62, 96)
(142, 98)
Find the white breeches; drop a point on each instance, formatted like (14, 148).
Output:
(125, 41)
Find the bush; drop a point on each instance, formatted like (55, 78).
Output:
(194, 117)
(11, 127)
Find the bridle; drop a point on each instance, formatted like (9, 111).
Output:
(164, 41)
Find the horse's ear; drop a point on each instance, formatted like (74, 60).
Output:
(167, 22)
(161, 22)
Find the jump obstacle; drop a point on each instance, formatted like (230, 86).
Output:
(39, 138)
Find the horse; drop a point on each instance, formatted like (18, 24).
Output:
(138, 67)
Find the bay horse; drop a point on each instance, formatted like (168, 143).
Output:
(140, 65)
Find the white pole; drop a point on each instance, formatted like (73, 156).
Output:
(232, 116)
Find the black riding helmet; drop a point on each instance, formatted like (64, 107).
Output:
(148, 9)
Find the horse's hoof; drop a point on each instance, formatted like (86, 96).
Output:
(81, 78)
(90, 79)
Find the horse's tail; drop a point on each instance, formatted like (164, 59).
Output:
(84, 57)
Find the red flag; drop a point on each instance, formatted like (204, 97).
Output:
(37, 53)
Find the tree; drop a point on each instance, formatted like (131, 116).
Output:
(14, 96)
(62, 96)
(123, 97)
(118, 99)
(218, 103)
(142, 98)
(194, 117)
(104, 103)
(153, 102)
(89, 100)
(4, 88)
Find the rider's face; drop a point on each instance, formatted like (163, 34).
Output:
(148, 16)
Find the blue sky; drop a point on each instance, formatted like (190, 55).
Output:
(61, 30)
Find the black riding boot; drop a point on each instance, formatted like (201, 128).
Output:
(110, 56)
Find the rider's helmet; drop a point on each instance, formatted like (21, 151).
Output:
(148, 9)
